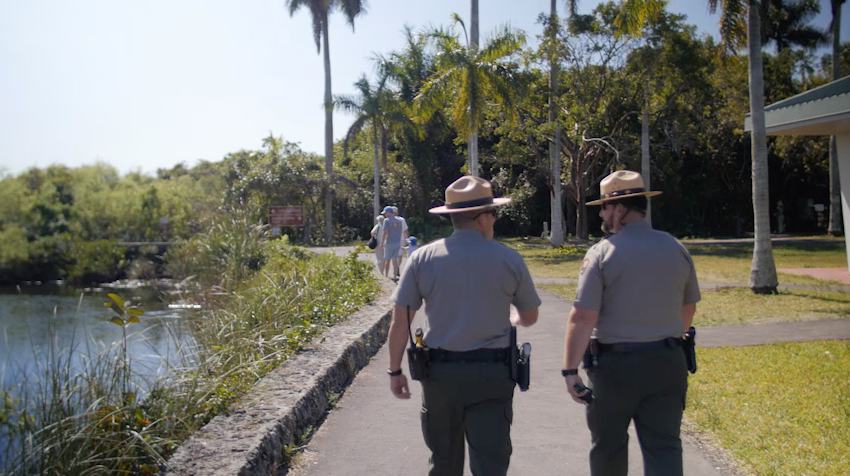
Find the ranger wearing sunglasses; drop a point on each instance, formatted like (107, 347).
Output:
(468, 283)
(638, 291)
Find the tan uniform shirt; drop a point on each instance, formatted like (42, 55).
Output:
(638, 279)
(468, 284)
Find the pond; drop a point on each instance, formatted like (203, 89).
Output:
(40, 320)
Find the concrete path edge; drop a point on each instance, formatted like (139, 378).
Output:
(287, 403)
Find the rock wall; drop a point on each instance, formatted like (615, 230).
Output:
(251, 440)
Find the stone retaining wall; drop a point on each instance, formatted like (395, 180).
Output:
(252, 438)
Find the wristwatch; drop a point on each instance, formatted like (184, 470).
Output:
(393, 373)
(566, 372)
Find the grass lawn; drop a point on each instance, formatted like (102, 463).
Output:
(715, 263)
(779, 409)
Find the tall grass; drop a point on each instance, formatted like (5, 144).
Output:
(94, 415)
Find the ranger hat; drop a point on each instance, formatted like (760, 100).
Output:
(469, 193)
(621, 184)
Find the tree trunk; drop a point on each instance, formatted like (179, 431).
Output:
(376, 204)
(835, 224)
(329, 137)
(473, 25)
(557, 235)
(581, 208)
(644, 149)
(473, 150)
(763, 273)
(473, 131)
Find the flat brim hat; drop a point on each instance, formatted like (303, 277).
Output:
(468, 194)
(621, 184)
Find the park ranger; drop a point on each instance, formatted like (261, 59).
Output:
(468, 283)
(638, 289)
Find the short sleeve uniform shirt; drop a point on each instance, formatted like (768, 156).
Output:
(638, 279)
(467, 283)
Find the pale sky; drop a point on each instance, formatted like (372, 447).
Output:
(148, 84)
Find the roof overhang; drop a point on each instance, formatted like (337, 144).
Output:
(821, 111)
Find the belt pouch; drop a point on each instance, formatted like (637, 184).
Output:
(591, 354)
(419, 361)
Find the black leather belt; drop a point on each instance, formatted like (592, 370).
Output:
(477, 355)
(624, 347)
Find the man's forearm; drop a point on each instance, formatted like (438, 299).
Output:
(688, 311)
(579, 329)
(398, 335)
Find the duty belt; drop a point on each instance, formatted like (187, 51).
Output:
(625, 347)
(477, 355)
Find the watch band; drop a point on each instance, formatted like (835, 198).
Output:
(393, 373)
(566, 372)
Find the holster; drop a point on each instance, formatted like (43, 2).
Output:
(418, 355)
(418, 359)
(520, 364)
(591, 355)
(689, 348)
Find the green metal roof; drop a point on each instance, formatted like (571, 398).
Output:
(835, 88)
(824, 110)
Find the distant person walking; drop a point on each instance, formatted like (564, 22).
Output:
(377, 234)
(638, 289)
(395, 230)
(468, 283)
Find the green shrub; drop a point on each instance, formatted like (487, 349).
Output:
(94, 261)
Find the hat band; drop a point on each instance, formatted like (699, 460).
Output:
(627, 191)
(470, 203)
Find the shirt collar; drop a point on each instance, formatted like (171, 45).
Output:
(635, 225)
(468, 233)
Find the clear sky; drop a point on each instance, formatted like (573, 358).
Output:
(149, 84)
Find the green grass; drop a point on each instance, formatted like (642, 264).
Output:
(730, 263)
(739, 306)
(715, 263)
(779, 409)
(89, 423)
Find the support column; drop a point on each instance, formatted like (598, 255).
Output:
(843, 142)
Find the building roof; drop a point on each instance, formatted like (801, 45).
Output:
(824, 110)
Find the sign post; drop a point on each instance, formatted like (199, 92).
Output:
(286, 215)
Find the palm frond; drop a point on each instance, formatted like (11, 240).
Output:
(634, 14)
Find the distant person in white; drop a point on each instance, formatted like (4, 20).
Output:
(394, 228)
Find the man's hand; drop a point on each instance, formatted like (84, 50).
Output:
(571, 380)
(398, 385)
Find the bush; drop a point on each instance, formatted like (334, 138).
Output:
(94, 261)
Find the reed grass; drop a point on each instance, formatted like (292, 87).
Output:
(95, 414)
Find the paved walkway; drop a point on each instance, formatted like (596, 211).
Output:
(371, 432)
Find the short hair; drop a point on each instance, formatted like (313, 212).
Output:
(638, 203)
(463, 219)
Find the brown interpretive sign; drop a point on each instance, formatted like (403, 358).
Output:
(286, 215)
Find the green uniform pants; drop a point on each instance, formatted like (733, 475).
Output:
(648, 387)
(472, 401)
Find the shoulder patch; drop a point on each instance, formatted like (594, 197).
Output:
(584, 266)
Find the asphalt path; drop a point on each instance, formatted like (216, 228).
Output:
(371, 432)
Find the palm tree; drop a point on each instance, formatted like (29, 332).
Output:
(376, 106)
(469, 76)
(556, 237)
(737, 16)
(834, 182)
(787, 24)
(320, 11)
